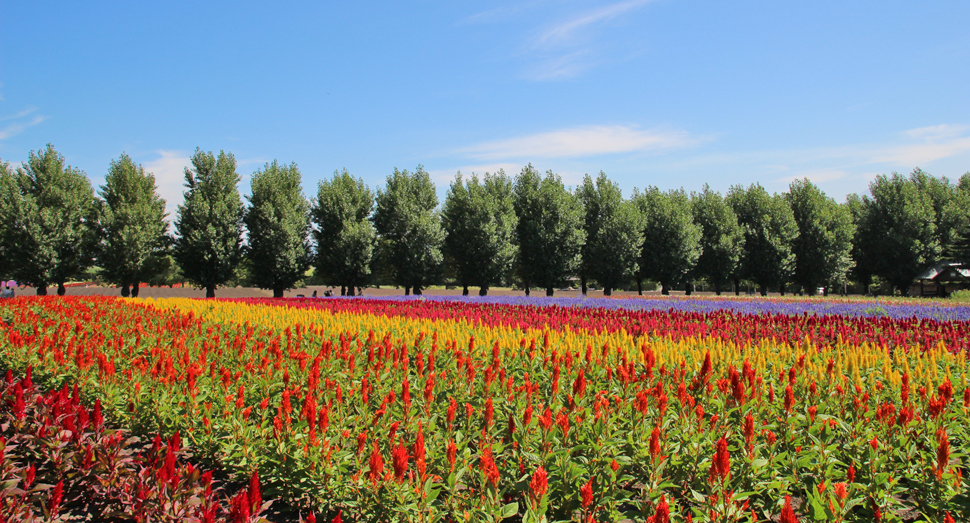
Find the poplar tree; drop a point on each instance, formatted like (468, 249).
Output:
(209, 222)
(479, 221)
(899, 230)
(410, 229)
(671, 243)
(769, 233)
(722, 239)
(49, 216)
(134, 232)
(614, 234)
(823, 246)
(344, 234)
(550, 230)
(278, 228)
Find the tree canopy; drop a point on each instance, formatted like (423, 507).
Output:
(769, 232)
(49, 215)
(209, 221)
(479, 221)
(277, 220)
(134, 231)
(722, 238)
(823, 246)
(550, 230)
(614, 234)
(344, 234)
(671, 239)
(410, 229)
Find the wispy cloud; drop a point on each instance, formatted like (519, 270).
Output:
(19, 123)
(566, 33)
(579, 142)
(576, 43)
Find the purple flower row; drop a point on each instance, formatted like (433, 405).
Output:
(850, 308)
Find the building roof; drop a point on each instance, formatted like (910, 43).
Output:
(945, 271)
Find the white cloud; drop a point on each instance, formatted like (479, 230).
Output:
(566, 33)
(169, 171)
(932, 143)
(15, 128)
(446, 176)
(579, 142)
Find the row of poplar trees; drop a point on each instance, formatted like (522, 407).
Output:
(530, 229)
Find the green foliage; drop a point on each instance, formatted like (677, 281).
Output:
(209, 221)
(344, 235)
(613, 230)
(279, 229)
(769, 233)
(671, 245)
(49, 217)
(896, 230)
(825, 230)
(550, 230)
(410, 229)
(958, 247)
(479, 221)
(722, 238)
(134, 232)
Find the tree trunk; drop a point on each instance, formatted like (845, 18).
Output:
(210, 291)
(737, 287)
(42, 290)
(417, 290)
(639, 287)
(125, 291)
(688, 288)
(781, 288)
(664, 288)
(134, 289)
(278, 292)
(343, 290)
(61, 291)
(582, 281)
(464, 290)
(607, 291)
(717, 288)
(549, 291)
(407, 291)
(483, 291)
(825, 291)
(763, 289)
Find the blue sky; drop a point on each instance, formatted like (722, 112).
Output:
(672, 93)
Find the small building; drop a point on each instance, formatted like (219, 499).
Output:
(941, 279)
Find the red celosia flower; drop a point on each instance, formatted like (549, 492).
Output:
(56, 497)
(789, 398)
(310, 518)
(614, 465)
(400, 461)
(851, 474)
(586, 493)
(966, 397)
(29, 480)
(840, 492)
(662, 515)
(948, 518)
(452, 407)
(338, 519)
(489, 412)
(812, 411)
(539, 484)
(874, 443)
(655, 442)
(942, 452)
(239, 508)
(721, 465)
(376, 463)
(489, 469)
(562, 419)
(255, 496)
(361, 442)
(787, 513)
(749, 431)
(451, 451)
(945, 390)
(419, 455)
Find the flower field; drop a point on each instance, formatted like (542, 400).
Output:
(464, 410)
